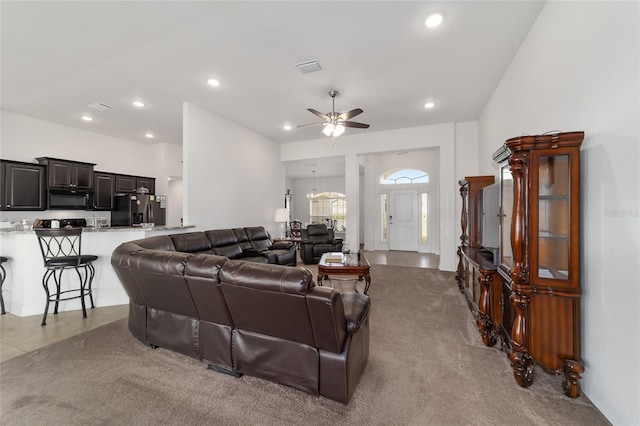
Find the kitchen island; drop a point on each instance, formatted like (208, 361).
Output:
(22, 290)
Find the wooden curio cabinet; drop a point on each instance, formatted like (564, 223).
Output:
(540, 255)
(477, 275)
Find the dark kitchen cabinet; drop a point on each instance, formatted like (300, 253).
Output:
(23, 186)
(130, 184)
(65, 174)
(149, 183)
(125, 183)
(104, 185)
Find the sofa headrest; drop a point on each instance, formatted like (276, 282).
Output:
(159, 262)
(243, 239)
(160, 242)
(204, 266)
(241, 236)
(317, 229)
(257, 233)
(267, 277)
(319, 234)
(221, 237)
(191, 242)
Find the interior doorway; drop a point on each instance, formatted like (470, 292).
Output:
(174, 201)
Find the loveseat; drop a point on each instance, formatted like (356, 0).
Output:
(316, 240)
(243, 317)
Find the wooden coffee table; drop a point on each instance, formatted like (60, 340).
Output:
(354, 264)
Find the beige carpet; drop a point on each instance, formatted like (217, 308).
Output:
(427, 366)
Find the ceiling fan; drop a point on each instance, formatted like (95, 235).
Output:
(335, 123)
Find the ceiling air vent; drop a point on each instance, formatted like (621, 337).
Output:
(99, 106)
(309, 66)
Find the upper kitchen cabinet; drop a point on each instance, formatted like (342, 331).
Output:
(145, 182)
(130, 184)
(125, 183)
(65, 174)
(104, 189)
(22, 187)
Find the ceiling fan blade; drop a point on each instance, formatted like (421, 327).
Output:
(312, 124)
(355, 124)
(349, 114)
(318, 113)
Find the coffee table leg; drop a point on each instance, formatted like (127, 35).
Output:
(367, 279)
(320, 277)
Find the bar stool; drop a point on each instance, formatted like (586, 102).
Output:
(3, 275)
(61, 250)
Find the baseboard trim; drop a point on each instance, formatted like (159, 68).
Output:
(606, 407)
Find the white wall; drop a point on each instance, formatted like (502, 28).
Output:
(233, 176)
(24, 138)
(467, 159)
(578, 69)
(354, 145)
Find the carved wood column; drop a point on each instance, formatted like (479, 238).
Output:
(485, 325)
(519, 273)
(521, 361)
(464, 192)
(460, 271)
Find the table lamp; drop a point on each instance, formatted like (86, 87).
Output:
(282, 216)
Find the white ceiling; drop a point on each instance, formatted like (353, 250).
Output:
(58, 57)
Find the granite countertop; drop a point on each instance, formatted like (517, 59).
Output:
(136, 228)
(108, 229)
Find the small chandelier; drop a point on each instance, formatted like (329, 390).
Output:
(313, 197)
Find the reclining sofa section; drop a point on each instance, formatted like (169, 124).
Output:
(242, 317)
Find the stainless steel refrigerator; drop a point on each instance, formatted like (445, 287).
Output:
(136, 209)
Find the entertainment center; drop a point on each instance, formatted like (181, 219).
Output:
(526, 294)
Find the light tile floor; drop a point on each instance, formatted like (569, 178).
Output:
(19, 335)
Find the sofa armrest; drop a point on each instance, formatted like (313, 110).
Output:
(251, 253)
(356, 310)
(282, 245)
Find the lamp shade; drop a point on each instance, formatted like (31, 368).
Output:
(282, 215)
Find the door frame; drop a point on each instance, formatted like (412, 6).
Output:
(432, 220)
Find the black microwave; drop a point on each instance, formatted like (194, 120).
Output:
(67, 200)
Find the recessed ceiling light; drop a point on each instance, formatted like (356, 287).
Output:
(87, 118)
(429, 105)
(138, 104)
(213, 82)
(287, 127)
(433, 20)
(148, 135)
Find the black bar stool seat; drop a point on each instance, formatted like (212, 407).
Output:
(61, 250)
(70, 261)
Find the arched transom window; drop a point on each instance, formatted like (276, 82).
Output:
(404, 176)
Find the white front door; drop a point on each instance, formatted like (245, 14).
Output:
(403, 220)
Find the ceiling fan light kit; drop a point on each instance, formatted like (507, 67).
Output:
(335, 124)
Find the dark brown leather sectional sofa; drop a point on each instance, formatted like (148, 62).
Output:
(244, 317)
